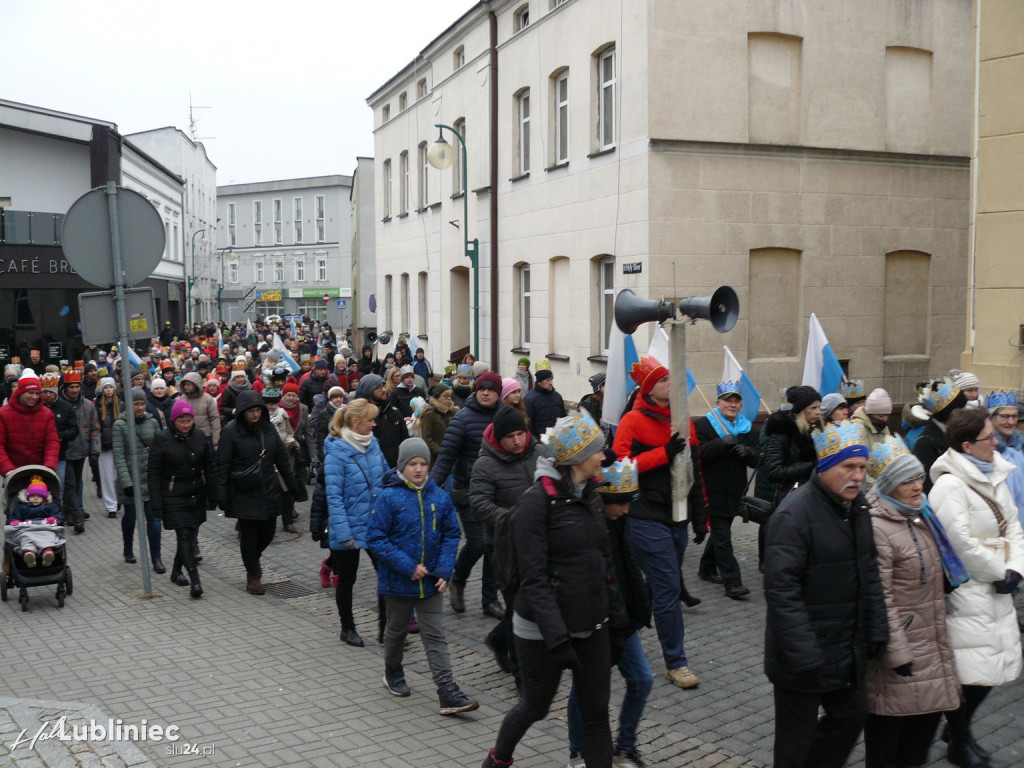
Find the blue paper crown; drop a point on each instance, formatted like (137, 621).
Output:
(882, 455)
(465, 370)
(837, 443)
(729, 387)
(852, 389)
(938, 398)
(570, 435)
(1001, 398)
(621, 477)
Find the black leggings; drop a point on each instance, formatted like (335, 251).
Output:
(960, 719)
(540, 676)
(345, 563)
(254, 536)
(185, 555)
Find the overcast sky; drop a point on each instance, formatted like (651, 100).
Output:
(286, 82)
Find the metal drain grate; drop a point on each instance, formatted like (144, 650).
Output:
(286, 589)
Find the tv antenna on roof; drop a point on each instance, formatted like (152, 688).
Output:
(192, 124)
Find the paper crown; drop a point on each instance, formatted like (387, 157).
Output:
(542, 365)
(406, 370)
(852, 389)
(72, 376)
(306, 358)
(938, 394)
(838, 442)
(883, 454)
(238, 367)
(728, 387)
(223, 367)
(79, 364)
(465, 370)
(620, 478)
(49, 380)
(573, 438)
(647, 371)
(1001, 398)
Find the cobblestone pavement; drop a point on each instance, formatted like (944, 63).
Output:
(265, 681)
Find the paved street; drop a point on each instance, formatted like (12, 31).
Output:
(264, 681)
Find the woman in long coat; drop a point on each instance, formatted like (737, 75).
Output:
(147, 426)
(974, 504)
(251, 442)
(914, 681)
(181, 470)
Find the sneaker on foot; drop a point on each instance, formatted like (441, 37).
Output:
(29, 557)
(47, 557)
(453, 701)
(576, 760)
(394, 680)
(683, 677)
(627, 758)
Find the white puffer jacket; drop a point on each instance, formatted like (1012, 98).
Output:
(982, 623)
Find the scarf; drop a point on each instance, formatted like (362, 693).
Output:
(360, 442)
(984, 466)
(954, 568)
(294, 414)
(739, 427)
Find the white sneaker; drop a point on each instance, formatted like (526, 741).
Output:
(576, 760)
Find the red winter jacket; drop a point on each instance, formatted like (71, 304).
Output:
(27, 436)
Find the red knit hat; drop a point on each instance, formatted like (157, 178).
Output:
(28, 382)
(290, 386)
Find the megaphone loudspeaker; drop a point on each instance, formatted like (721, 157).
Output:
(722, 308)
(631, 311)
(385, 338)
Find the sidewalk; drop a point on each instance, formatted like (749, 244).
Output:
(265, 681)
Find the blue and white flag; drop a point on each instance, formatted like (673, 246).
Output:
(732, 371)
(286, 356)
(660, 351)
(821, 367)
(133, 357)
(618, 384)
(249, 330)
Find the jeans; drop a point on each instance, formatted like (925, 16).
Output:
(153, 529)
(61, 468)
(659, 549)
(430, 615)
(718, 553)
(473, 550)
(803, 740)
(636, 672)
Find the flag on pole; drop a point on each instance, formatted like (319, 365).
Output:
(286, 356)
(659, 351)
(133, 358)
(621, 356)
(732, 371)
(249, 330)
(821, 367)
(220, 341)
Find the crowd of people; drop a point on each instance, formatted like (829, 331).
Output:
(890, 556)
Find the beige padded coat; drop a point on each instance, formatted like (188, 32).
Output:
(915, 603)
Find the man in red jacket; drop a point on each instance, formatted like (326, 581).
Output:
(28, 432)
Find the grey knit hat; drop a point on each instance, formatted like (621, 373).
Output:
(138, 393)
(410, 449)
(829, 403)
(899, 470)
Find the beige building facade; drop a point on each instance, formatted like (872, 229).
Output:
(813, 155)
(995, 329)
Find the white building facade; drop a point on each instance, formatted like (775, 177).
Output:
(813, 155)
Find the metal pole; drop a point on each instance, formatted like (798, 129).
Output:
(682, 468)
(126, 377)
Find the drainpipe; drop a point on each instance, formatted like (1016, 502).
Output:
(493, 19)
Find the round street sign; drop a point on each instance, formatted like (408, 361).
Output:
(327, 297)
(87, 243)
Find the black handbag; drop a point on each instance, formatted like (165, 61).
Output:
(249, 478)
(753, 509)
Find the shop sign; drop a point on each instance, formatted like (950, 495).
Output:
(317, 293)
(269, 296)
(37, 265)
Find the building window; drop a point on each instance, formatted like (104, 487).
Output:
(523, 131)
(606, 98)
(403, 183)
(386, 203)
(561, 121)
(233, 273)
(421, 155)
(522, 314)
(257, 222)
(403, 101)
(232, 221)
(321, 270)
(460, 126)
(297, 212)
(257, 272)
(774, 299)
(459, 58)
(421, 88)
(300, 270)
(556, 3)
(385, 113)
(278, 222)
(387, 302)
(421, 308)
(321, 219)
(405, 303)
(522, 18)
(278, 271)
(605, 300)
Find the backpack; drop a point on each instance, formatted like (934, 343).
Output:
(503, 558)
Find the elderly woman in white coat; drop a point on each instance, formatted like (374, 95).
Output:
(974, 504)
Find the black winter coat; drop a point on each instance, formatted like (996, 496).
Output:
(543, 408)
(823, 591)
(106, 424)
(461, 444)
(499, 479)
(180, 474)
(566, 573)
(789, 455)
(636, 594)
(724, 473)
(310, 387)
(930, 444)
(319, 511)
(66, 422)
(240, 447)
(390, 431)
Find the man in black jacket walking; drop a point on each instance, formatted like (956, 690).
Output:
(826, 611)
(390, 430)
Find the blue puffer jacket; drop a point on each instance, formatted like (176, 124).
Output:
(461, 444)
(352, 481)
(409, 527)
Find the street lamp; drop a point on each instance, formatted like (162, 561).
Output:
(192, 279)
(441, 155)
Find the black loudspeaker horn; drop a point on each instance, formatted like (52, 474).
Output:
(371, 337)
(631, 311)
(385, 338)
(722, 308)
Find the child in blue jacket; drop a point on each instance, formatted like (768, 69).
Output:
(414, 534)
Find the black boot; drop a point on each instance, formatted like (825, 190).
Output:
(688, 600)
(187, 547)
(960, 753)
(176, 575)
(129, 556)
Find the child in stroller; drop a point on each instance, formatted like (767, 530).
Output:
(33, 528)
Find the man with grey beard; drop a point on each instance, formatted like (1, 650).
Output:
(826, 611)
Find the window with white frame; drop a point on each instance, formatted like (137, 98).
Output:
(300, 269)
(386, 203)
(606, 299)
(403, 101)
(257, 222)
(278, 271)
(257, 272)
(523, 314)
(321, 219)
(278, 222)
(556, 3)
(403, 183)
(459, 57)
(232, 221)
(561, 121)
(233, 273)
(297, 218)
(321, 270)
(523, 131)
(460, 126)
(606, 87)
(424, 166)
(522, 17)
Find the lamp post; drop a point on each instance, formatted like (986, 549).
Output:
(441, 156)
(191, 279)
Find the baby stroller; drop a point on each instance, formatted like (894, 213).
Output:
(16, 572)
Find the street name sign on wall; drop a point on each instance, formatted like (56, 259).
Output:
(632, 268)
